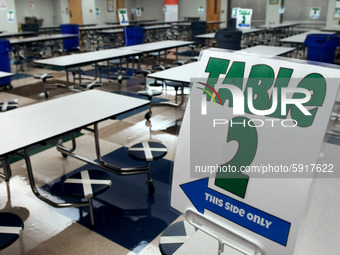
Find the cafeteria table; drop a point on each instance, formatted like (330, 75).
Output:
(30, 126)
(77, 60)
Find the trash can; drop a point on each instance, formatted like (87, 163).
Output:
(229, 38)
(70, 43)
(5, 49)
(198, 28)
(134, 35)
(321, 47)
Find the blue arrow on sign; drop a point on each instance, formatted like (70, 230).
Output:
(260, 222)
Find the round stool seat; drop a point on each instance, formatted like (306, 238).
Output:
(161, 67)
(174, 236)
(181, 62)
(10, 228)
(119, 77)
(75, 70)
(194, 58)
(91, 85)
(144, 72)
(8, 105)
(175, 84)
(117, 61)
(149, 92)
(147, 151)
(100, 64)
(87, 183)
(43, 76)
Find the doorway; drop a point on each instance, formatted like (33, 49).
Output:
(120, 4)
(76, 16)
(213, 13)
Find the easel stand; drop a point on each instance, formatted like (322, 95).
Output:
(237, 242)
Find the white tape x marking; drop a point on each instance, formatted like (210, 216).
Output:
(87, 182)
(147, 150)
(189, 230)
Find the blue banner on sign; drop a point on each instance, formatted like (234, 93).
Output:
(238, 212)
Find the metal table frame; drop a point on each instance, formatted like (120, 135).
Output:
(19, 139)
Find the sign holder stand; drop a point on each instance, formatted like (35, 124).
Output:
(203, 223)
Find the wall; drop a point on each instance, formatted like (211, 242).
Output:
(104, 16)
(88, 11)
(272, 13)
(258, 6)
(330, 21)
(41, 10)
(188, 8)
(301, 13)
(151, 9)
(61, 16)
(5, 25)
(223, 16)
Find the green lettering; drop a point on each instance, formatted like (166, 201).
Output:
(261, 79)
(233, 77)
(317, 84)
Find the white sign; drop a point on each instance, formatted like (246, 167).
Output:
(200, 10)
(243, 19)
(123, 17)
(248, 164)
(10, 16)
(138, 11)
(315, 12)
(2, 5)
(97, 11)
(234, 12)
(171, 12)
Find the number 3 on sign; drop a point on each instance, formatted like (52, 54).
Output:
(241, 130)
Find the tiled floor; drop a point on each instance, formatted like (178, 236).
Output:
(47, 230)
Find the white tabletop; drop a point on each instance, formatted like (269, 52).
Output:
(26, 126)
(87, 57)
(99, 27)
(186, 72)
(282, 25)
(157, 27)
(331, 29)
(5, 74)
(300, 38)
(42, 38)
(244, 31)
(156, 46)
(8, 35)
(111, 31)
(267, 51)
(181, 73)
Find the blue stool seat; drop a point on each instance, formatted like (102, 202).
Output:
(11, 226)
(90, 85)
(149, 93)
(8, 105)
(87, 184)
(174, 236)
(147, 151)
